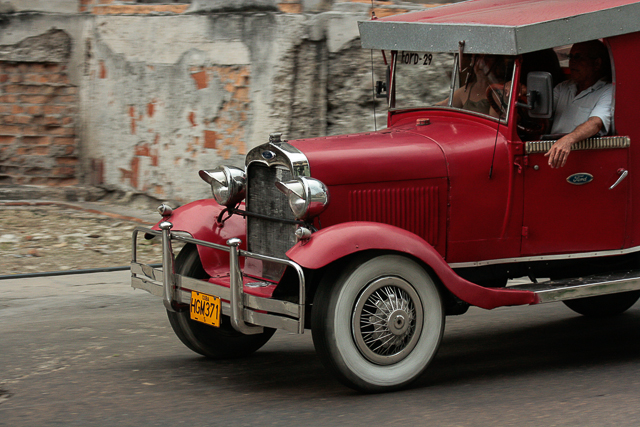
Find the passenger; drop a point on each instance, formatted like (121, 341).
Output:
(582, 104)
(472, 96)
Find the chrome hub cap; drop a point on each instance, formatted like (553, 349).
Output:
(387, 320)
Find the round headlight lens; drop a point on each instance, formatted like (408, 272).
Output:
(227, 184)
(308, 197)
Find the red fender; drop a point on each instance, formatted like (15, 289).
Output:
(199, 220)
(338, 241)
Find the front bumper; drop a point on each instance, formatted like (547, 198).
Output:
(248, 313)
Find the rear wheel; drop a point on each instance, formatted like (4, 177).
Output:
(379, 324)
(604, 305)
(216, 343)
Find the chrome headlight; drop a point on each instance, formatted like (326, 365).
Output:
(308, 197)
(227, 184)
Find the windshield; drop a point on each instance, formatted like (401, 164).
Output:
(478, 83)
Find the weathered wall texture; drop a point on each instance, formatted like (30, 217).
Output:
(140, 102)
(183, 93)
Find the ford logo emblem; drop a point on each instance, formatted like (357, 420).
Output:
(580, 178)
(268, 155)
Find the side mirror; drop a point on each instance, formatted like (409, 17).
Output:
(539, 95)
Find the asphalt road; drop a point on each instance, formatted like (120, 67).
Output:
(88, 350)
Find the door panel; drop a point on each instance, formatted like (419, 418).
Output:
(561, 217)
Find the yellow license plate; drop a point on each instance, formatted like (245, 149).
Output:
(205, 308)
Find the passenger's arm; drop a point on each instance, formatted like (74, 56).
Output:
(559, 152)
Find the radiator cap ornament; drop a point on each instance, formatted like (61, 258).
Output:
(275, 138)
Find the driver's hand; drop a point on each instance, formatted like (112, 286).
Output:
(559, 152)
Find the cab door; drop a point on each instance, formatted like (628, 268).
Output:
(574, 208)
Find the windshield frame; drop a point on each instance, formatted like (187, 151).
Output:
(453, 85)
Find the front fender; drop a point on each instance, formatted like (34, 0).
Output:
(338, 241)
(199, 220)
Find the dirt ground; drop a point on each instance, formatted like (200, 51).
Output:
(53, 238)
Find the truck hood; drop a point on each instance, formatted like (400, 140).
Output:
(383, 156)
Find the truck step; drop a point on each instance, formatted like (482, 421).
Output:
(581, 287)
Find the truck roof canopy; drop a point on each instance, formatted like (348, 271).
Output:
(502, 27)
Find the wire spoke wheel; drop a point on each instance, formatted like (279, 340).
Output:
(377, 323)
(387, 320)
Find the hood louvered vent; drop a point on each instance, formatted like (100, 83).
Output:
(413, 209)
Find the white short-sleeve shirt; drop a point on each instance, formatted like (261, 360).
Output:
(572, 108)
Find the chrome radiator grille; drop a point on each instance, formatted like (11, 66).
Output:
(268, 237)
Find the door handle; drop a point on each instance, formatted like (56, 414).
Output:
(623, 174)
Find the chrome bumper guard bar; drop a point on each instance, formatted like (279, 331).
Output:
(248, 313)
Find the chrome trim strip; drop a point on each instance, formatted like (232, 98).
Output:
(544, 258)
(582, 287)
(286, 155)
(601, 143)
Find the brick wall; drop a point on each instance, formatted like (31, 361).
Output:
(38, 109)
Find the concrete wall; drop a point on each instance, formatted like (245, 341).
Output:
(165, 93)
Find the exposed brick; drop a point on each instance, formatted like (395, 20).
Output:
(63, 171)
(54, 109)
(142, 150)
(7, 139)
(36, 140)
(135, 163)
(290, 8)
(22, 119)
(200, 78)
(31, 130)
(35, 99)
(67, 161)
(17, 109)
(64, 141)
(39, 150)
(35, 110)
(210, 138)
(10, 130)
(61, 131)
(103, 70)
(67, 121)
(4, 78)
(139, 9)
(192, 118)
(8, 99)
(242, 94)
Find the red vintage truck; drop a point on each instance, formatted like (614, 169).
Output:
(370, 240)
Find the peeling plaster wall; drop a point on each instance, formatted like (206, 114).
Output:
(161, 96)
(172, 95)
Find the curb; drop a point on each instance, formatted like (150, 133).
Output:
(77, 207)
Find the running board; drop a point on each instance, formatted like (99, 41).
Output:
(581, 287)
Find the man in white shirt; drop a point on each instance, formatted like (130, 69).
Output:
(582, 104)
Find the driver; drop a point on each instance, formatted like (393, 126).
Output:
(582, 104)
